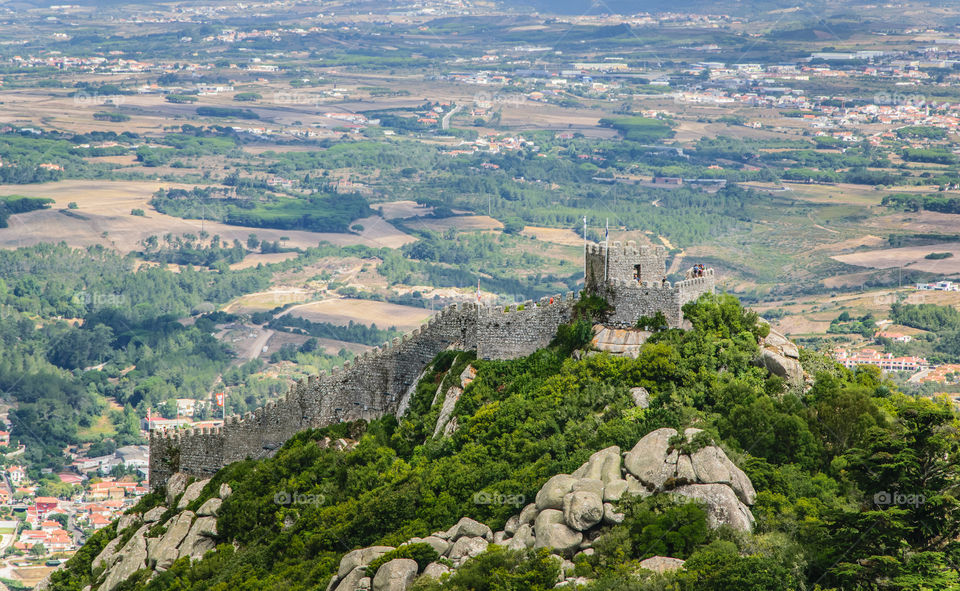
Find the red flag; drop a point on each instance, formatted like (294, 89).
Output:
(219, 398)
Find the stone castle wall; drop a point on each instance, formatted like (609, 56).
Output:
(631, 300)
(374, 383)
(519, 330)
(366, 388)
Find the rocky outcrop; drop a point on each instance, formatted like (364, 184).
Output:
(623, 342)
(469, 527)
(781, 358)
(131, 558)
(583, 509)
(661, 564)
(640, 396)
(571, 510)
(395, 575)
(184, 534)
(175, 486)
(723, 506)
(552, 493)
(191, 493)
(446, 410)
(661, 468)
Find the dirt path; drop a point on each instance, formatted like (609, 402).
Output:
(254, 349)
(816, 225)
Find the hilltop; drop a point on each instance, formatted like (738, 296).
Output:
(851, 480)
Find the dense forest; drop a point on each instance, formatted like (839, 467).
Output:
(321, 212)
(104, 331)
(824, 461)
(911, 202)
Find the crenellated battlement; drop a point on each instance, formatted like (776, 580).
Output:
(366, 387)
(632, 278)
(491, 310)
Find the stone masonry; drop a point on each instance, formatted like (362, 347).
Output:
(373, 384)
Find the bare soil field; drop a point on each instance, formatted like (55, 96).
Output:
(793, 325)
(847, 280)
(920, 222)
(103, 217)
(562, 236)
(910, 256)
(124, 160)
(533, 115)
(836, 194)
(460, 222)
(402, 209)
(342, 311)
(851, 243)
(252, 260)
(268, 300)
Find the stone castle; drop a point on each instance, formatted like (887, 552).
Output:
(631, 278)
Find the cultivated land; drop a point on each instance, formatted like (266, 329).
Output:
(343, 311)
(103, 217)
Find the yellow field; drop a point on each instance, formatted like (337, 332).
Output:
(252, 260)
(562, 236)
(910, 256)
(460, 222)
(342, 311)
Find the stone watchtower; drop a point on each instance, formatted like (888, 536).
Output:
(624, 263)
(633, 279)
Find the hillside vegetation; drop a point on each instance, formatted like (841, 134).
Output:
(855, 481)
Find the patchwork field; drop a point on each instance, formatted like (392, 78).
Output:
(910, 256)
(103, 217)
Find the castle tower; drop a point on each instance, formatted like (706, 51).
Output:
(618, 263)
(633, 280)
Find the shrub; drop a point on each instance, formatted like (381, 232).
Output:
(591, 307)
(573, 336)
(499, 569)
(654, 323)
(424, 554)
(180, 99)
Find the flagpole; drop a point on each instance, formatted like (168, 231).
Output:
(584, 252)
(606, 249)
